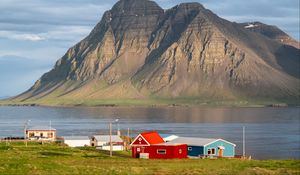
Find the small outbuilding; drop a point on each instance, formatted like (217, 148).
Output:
(151, 145)
(41, 133)
(199, 147)
(103, 142)
(76, 141)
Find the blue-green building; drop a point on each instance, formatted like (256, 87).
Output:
(207, 147)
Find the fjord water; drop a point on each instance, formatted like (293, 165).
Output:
(271, 133)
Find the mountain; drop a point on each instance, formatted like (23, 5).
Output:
(139, 51)
(271, 32)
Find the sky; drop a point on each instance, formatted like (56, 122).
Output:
(41, 31)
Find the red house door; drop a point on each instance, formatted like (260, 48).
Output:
(137, 152)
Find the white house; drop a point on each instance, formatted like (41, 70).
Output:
(76, 141)
(103, 142)
(41, 133)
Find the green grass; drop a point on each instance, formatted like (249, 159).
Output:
(153, 101)
(57, 159)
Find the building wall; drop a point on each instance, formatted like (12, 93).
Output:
(77, 143)
(178, 151)
(195, 151)
(114, 148)
(229, 150)
(42, 134)
(96, 143)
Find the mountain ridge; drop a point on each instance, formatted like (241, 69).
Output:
(140, 51)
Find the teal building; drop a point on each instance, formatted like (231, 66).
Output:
(199, 147)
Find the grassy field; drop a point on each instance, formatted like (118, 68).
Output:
(188, 101)
(58, 159)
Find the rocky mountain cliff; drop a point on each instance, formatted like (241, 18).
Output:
(271, 32)
(141, 51)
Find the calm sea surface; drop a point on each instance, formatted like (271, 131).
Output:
(271, 133)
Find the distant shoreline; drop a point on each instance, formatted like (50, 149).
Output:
(151, 104)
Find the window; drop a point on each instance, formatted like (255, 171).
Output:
(50, 135)
(161, 151)
(138, 149)
(190, 148)
(211, 151)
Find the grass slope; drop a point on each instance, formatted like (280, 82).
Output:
(153, 101)
(57, 159)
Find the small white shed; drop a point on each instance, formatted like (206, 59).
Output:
(77, 141)
(103, 142)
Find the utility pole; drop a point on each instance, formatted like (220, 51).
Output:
(50, 130)
(110, 140)
(244, 146)
(25, 134)
(128, 140)
(128, 136)
(118, 127)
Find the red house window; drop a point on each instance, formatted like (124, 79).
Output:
(161, 151)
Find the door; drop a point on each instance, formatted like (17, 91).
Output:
(220, 152)
(138, 151)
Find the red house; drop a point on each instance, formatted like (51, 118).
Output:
(152, 145)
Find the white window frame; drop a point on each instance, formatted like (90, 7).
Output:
(161, 151)
(212, 148)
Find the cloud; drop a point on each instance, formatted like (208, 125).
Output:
(21, 36)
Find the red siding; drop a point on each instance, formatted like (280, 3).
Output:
(139, 141)
(172, 151)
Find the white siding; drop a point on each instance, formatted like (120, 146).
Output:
(77, 143)
(114, 148)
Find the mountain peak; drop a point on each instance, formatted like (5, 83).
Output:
(135, 7)
(271, 32)
(192, 5)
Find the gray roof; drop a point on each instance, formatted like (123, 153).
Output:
(105, 138)
(76, 138)
(193, 141)
(41, 128)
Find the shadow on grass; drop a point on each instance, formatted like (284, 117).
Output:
(4, 148)
(46, 153)
(94, 156)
